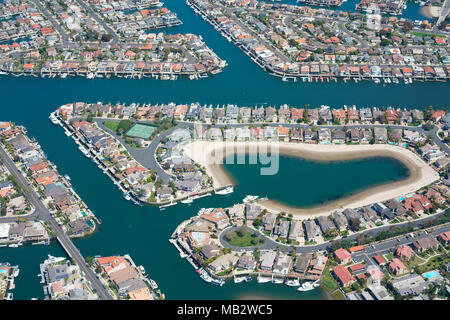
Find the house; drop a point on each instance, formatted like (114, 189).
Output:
(312, 230)
(218, 217)
(340, 220)
(397, 267)
(267, 260)
(379, 260)
(325, 223)
(380, 134)
(209, 251)
(282, 228)
(252, 210)
(302, 261)
(282, 264)
(343, 276)
(223, 262)
(342, 256)
(445, 237)
(424, 244)
(383, 211)
(269, 220)
(246, 261)
(317, 266)
(404, 252)
(295, 230)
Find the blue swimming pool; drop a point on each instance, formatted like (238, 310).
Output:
(430, 274)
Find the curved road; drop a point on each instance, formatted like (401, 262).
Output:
(270, 244)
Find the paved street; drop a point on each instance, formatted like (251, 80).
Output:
(270, 244)
(43, 214)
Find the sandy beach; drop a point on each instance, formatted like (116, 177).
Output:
(431, 11)
(206, 153)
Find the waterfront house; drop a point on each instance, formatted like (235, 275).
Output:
(324, 135)
(312, 230)
(343, 276)
(338, 136)
(295, 230)
(282, 228)
(243, 134)
(383, 211)
(354, 135)
(340, 220)
(282, 264)
(366, 115)
(269, 220)
(283, 133)
(266, 260)
(223, 262)
(302, 261)
(317, 266)
(217, 217)
(296, 135)
(380, 134)
(237, 211)
(309, 135)
(247, 261)
(325, 223)
(252, 210)
(209, 251)
(297, 114)
(197, 238)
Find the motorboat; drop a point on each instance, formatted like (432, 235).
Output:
(225, 190)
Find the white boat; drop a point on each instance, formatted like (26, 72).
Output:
(238, 279)
(53, 118)
(14, 245)
(293, 283)
(64, 75)
(90, 75)
(66, 176)
(278, 281)
(126, 196)
(16, 271)
(250, 198)
(218, 282)
(153, 284)
(205, 276)
(225, 190)
(306, 286)
(187, 201)
(263, 279)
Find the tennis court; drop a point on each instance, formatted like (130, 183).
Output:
(140, 131)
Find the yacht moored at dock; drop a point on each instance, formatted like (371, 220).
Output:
(224, 190)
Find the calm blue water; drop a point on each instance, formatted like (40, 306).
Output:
(143, 231)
